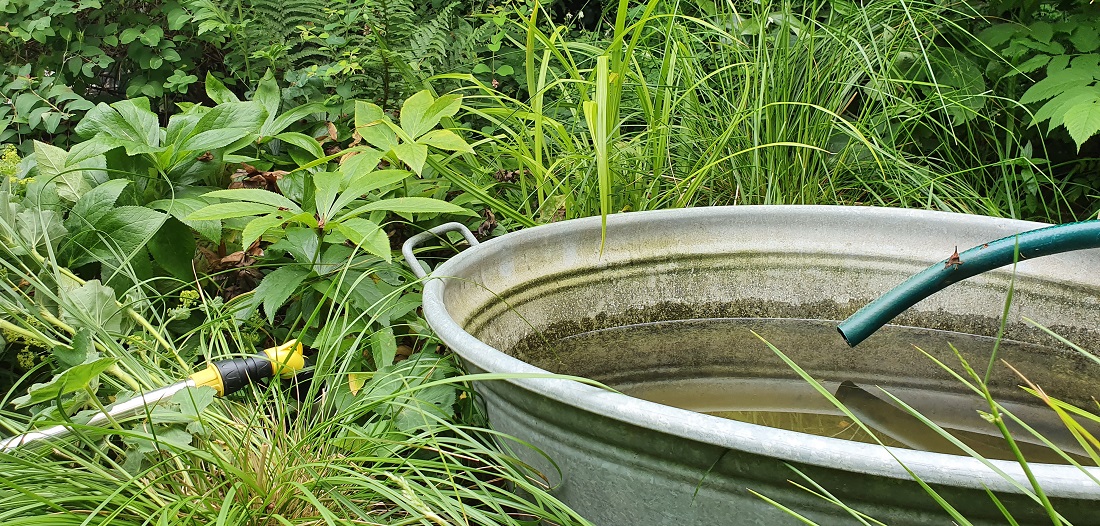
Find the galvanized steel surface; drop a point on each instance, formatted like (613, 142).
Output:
(628, 461)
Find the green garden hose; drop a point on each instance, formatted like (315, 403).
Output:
(982, 258)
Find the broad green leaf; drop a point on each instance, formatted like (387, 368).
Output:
(1057, 63)
(326, 185)
(445, 140)
(1042, 31)
(383, 346)
(1055, 109)
(81, 350)
(256, 195)
(194, 400)
(145, 123)
(1056, 83)
(302, 243)
(415, 115)
(1030, 65)
(1083, 121)
(127, 228)
(93, 147)
(274, 126)
(999, 34)
(71, 183)
(40, 227)
(1085, 38)
(95, 204)
(69, 381)
(333, 258)
(92, 305)
(359, 164)
(212, 139)
(217, 91)
(367, 235)
(173, 248)
(413, 154)
(247, 115)
(407, 205)
(231, 210)
(268, 95)
(129, 121)
(1091, 60)
(278, 286)
(368, 182)
(181, 209)
(302, 141)
(370, 125)
(256, 228)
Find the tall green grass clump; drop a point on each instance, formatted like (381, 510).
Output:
(676, 105)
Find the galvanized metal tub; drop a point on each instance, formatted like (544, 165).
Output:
(620, 460)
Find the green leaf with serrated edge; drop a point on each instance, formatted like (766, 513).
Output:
(1030, 65)
(1055, 109)
(245, 115)
(268, 95)
(407, 205)
(71, 380)
(256, 228)
(212, 140)
(1056, 83)
(360, 164)
(326, 186)
(278, 286)
(1042, 31)
(368, 182)
(445, 140)
(231, 210)
(94, 204)
(173, 248)
(302, 141)
(302, 243)
(127, 228)
(415, 117)
(256, 195)
(93, 147)
(1085, 38)
(1091, 60)
(370, 126)
(413, 154)
(139, 118)
(71, 183)
(217, 91)
(181, 209)
(367, 235)
(383, 346)
(1057, 63)
(1083, 121)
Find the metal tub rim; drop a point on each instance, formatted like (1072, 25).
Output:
(1062, 481)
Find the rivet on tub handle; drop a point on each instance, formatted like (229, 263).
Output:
(412, 242)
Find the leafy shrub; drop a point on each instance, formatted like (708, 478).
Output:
(1061, 55)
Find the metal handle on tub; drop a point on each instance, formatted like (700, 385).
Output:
(412, 242)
